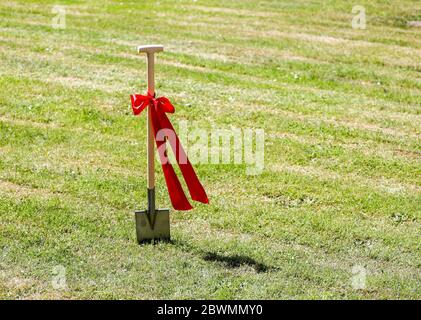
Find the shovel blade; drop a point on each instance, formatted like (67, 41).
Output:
(161, 227)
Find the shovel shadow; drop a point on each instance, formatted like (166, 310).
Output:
(227, 261)
(236, 261)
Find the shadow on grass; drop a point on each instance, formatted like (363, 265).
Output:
(236, 261)
(227, 261)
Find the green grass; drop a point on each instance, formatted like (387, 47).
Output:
(341, 185)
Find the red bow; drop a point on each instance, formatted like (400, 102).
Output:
(162, 126)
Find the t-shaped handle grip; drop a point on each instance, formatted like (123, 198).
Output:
(150, 48)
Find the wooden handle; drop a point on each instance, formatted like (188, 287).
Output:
(150, 51)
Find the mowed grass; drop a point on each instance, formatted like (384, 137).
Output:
(341, 187)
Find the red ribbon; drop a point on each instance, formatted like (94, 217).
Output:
(160, 121)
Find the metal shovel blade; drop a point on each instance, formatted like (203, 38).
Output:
(157, 229)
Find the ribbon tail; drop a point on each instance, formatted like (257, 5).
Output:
(178, 198)
(196, 189)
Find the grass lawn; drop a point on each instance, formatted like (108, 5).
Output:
(340, 194)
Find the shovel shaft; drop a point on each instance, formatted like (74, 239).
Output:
(150, 50)
(151, 155)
